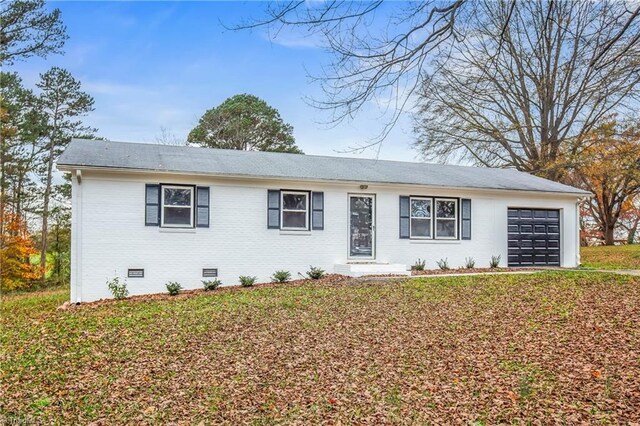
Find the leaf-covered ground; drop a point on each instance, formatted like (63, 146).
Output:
(611, 257)
(553, 347)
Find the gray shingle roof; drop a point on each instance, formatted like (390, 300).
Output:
(193, 160)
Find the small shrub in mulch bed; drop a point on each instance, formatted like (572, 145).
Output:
(247, 280)
(315, 273)
(210, 285)
(173, 287)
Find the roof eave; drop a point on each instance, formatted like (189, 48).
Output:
(71, 167)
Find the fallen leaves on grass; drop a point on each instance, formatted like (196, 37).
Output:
(485, 349)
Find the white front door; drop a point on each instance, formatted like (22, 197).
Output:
(362, 216)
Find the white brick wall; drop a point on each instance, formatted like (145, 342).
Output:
(109, 235)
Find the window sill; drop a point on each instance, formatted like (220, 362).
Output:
(434, 241)
(292, 232)
(178, 230)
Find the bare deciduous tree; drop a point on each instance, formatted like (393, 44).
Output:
(379, 48)
(388, 49)
(167, 137)
(529, 82)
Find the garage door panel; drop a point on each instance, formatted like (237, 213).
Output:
(526, 259)
(540, 214)
(540, 259)
(540, 244)
(526, 252)
(526, 229)
(533, 237)
(539, 229)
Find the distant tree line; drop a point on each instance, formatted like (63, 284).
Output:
(35, 126)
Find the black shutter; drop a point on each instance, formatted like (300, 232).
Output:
(202, 207)
(273, 209)
(317, 211)
(404, 217)
(466, 219)
(152, 205)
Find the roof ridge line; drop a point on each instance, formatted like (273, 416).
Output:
(332, 157)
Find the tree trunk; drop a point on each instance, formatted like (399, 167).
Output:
(608, 235)
(57, 251)
(45, 213)
(633, 230)
(2, 189)
(22, 180)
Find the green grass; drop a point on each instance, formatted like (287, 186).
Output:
(611, 257)
(489, 349)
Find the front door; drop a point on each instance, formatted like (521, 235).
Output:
(362, 226)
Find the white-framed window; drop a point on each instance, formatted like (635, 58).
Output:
(446, 218)
(295, 210)
(421, 223)
(177, 206)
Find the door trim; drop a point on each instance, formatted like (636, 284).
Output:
(373, 227)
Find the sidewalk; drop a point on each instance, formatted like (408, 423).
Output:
(634, 272)
(452, 274)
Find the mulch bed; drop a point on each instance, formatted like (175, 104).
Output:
(469, 271)
(328, 279)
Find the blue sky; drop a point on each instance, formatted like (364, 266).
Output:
(150, 65)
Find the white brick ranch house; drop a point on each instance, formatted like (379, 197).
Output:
(157, 213)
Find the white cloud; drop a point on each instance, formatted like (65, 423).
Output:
(294, 40)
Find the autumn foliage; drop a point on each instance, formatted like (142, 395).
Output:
(609, 167)
(16, 247)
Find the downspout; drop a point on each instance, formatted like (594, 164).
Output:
(578, 261)
(76, 239)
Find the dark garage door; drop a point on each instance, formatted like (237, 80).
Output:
(534, 237)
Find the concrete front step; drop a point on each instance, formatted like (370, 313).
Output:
(363, 269)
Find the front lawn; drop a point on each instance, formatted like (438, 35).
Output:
(553, 347)
(611, 257)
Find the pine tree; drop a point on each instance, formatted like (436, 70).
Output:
(63, 103)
